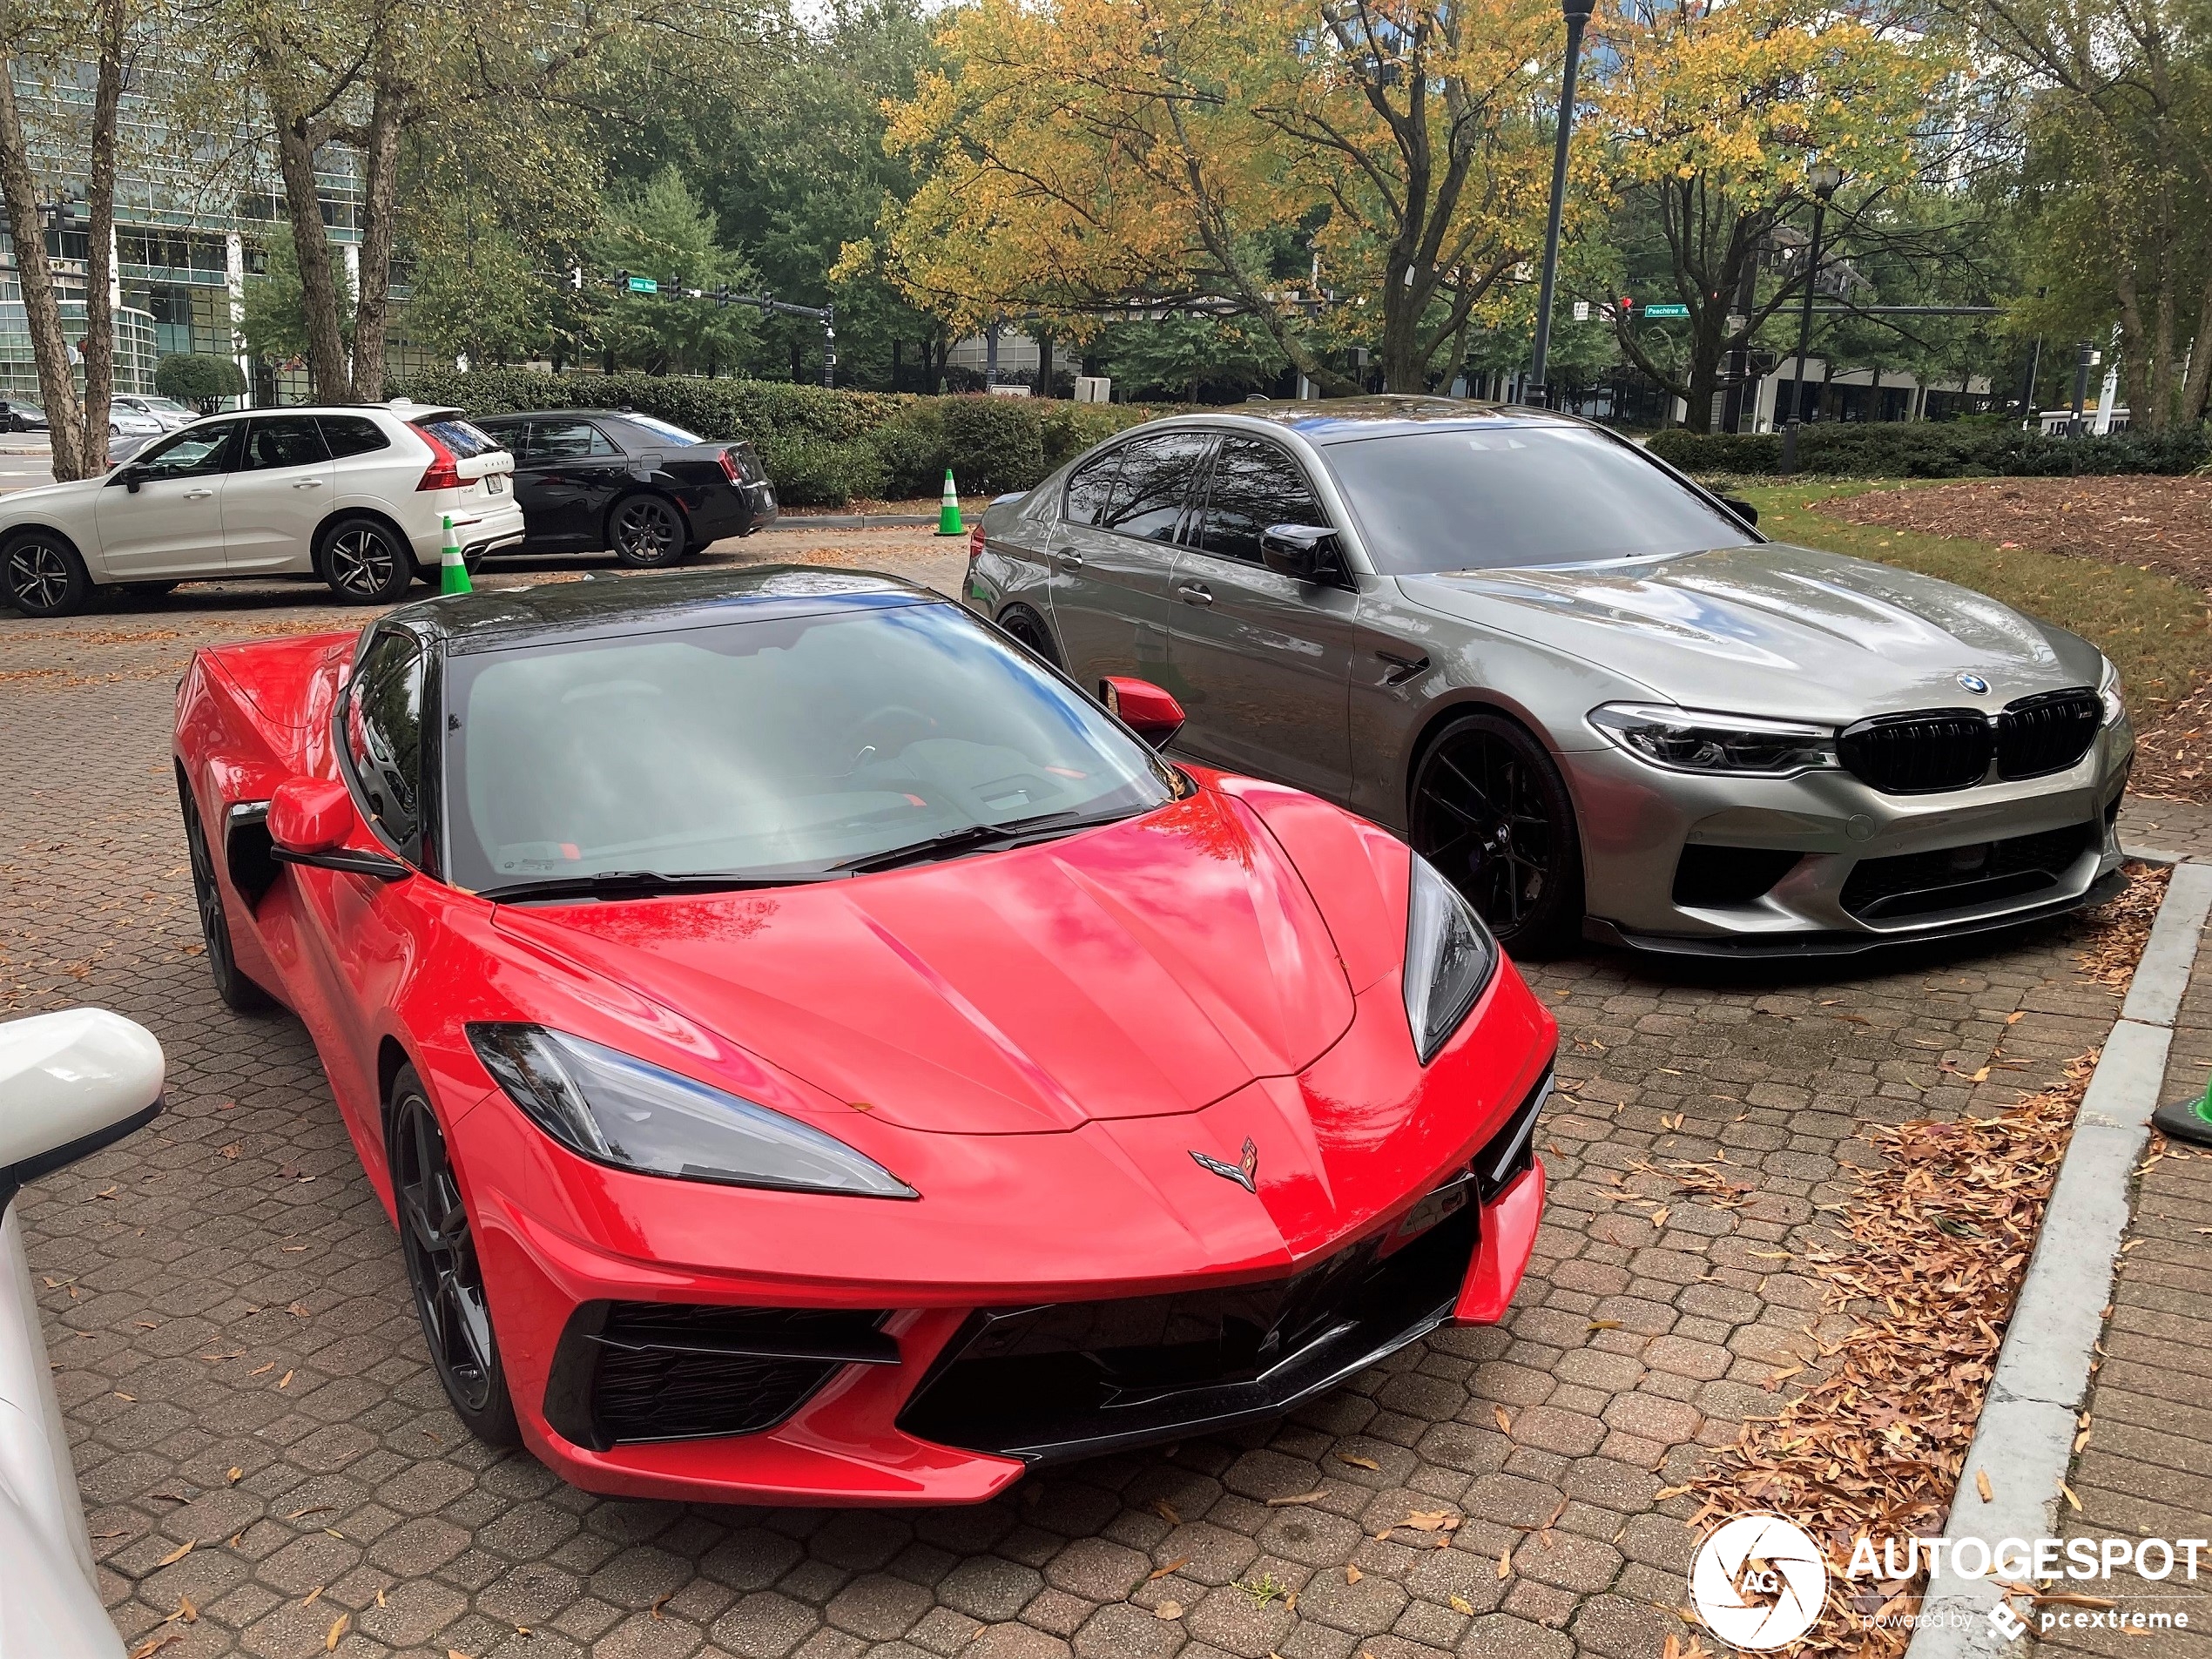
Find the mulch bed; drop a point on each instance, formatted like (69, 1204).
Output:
(2161, 524)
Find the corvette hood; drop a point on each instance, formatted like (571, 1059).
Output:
(1147, 967)
(1773, 630)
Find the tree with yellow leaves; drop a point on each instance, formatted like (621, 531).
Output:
(1710, 114)
(1353, 171)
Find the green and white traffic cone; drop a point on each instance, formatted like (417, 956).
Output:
(2187, 1120)
(948, 514)
(453, 574)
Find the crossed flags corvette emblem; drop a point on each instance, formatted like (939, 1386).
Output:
(1245, 1171)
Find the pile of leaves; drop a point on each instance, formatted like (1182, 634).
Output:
(2118, 931)
(1927, 1255)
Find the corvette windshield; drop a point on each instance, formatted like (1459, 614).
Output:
(1477, 500)
(783, 746)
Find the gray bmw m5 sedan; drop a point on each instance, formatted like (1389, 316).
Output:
(1585, 689)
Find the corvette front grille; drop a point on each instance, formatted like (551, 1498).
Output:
(627, 1372)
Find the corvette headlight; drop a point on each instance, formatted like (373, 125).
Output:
(2108, 693)
(617, 1110)
(1449, 958)
(1692, 740)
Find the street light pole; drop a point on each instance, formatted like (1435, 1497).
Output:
(1577, 14)
(1825, 177)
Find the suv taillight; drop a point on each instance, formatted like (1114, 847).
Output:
(445, 469)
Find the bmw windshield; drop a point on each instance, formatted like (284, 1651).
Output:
(779, 749)
(1478, 499)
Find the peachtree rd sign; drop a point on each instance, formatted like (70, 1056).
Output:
(1666, 311)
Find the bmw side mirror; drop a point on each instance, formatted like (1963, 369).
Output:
(1142, 707)
(1303, 552)
(310, 821)
(70, 1084)
(1742, 509)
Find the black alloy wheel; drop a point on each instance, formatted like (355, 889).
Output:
(442, 1267)
(1027, 627)
(647, 532)
(45, 576)
(231, 984)
(364, 562)
(1491, 813)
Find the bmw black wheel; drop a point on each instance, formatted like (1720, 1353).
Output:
(365, 563)
(647, 532)
(44, 576)
(1027, 628)
(231, 984)
(442, 1267)
(1491, 813)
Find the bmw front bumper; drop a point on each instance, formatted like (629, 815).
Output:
(1823, 864)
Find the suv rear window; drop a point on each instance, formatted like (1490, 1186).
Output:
(465, 440)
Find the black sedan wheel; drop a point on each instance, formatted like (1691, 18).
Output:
(45, 577)
(442, 1266)
(365, 563)
(1491, 813)
(647, 532)
(232, 986)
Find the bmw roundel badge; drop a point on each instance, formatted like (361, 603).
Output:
(1974, 682)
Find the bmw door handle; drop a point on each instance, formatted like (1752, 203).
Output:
(1195, 593)
(1069, 560)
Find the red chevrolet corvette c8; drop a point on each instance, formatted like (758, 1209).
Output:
(813, 1052)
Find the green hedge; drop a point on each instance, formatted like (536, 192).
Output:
(822, 447)
(1933, 450)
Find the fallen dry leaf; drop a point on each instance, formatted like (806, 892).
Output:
(1505, 1563)
(1981, 1485)
(1165, 1510)
(178, 1554)
(1177, 1565)
(1168, 1610)
(1605, 1324)
(1352, 1575)
(155, 1644)
(660, 1602)
(1505, 1423)
(1314, 1496)
(1357, 1461)
(337, 1630)
(1460, 1604)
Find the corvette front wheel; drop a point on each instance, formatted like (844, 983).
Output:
(232, 985)
(442, 1267)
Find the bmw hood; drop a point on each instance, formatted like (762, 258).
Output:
(1145, 969)
(1773, 630)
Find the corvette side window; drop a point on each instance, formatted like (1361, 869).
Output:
(384, 735)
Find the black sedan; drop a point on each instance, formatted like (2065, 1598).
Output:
(588, 480)
(20, 414)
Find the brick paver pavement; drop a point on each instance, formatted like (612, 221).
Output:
(2144, 1466)
(242, 1371)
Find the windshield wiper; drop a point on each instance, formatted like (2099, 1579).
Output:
(979, 838)
(623, 884)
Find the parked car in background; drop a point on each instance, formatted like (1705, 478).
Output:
(166, 412)
(357, 496)
(590, 480)
(71, 1083)
(1584, 687)
(19, 412)
(124, 421)
(814, 1053)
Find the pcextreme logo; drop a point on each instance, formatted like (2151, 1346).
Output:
(1759, 1581)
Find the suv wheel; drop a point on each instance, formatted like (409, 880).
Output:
(647, 532)
(364, 562)
(43, 576)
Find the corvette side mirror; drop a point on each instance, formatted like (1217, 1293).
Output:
(1303, 552)
(70, 1084)
(1742, 509)
(1142, 707)
(310, 821)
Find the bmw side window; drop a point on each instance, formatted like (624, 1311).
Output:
(1157, 476)
(196, 452)
(1254, 485)
(384, 735)
(1090, 488)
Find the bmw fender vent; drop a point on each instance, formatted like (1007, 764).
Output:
(629, 1372)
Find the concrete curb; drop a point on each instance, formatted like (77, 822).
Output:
(2024, 1441)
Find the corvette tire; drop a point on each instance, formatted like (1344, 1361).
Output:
(1490, 811)
(41, 576)
(439, 1247)
(237, 991)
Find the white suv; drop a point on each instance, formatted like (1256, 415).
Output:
(357, 496)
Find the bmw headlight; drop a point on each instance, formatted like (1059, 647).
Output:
(1449, 958)
(2108, 693)
(615, 1110)
(1692, 740)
